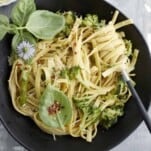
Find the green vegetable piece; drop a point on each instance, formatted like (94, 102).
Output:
(128, 45)
(64, 73)
(24, 86)
(110, 115)
(73, 72)
(90, 112)
(91, 20)
(102, 23)
(4, 23)
(21, 11)
(69, 21)
(70, 73)
(55, 108)
(69, 18)
(45, 24)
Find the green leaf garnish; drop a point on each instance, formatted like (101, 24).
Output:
(70, 73)
(45, 24)
(21, 11)
(4, 23)
(55, 109)
(29, 25)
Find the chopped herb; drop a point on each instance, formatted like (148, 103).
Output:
(70, 73)
(128, 45)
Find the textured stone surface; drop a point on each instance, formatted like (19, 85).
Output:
(140, 140)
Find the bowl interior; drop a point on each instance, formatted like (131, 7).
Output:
(29, 135)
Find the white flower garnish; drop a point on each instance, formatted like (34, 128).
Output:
(25, 50)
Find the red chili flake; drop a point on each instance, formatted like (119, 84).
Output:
(75, 52)
(40, 61)
(26, 68)
(19, 64)
(52, 77)
(54, 108)
(74, 44)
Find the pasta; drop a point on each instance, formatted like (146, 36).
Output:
(85, 66)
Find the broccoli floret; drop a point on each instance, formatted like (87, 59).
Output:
(69, 17)
(69, 22)
(91, 20)
(110, 115)
(91, 113)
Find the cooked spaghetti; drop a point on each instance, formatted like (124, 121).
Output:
(82, 66)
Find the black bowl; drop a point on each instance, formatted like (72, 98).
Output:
(30, 136)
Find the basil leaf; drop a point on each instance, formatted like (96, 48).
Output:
(13, 29)
(21, 11)
(4, 20)
(45, 24)
(3, 31)
(25, 36)
(51, 97)
(4, 23)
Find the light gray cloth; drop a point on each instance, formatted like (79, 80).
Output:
(140, 139)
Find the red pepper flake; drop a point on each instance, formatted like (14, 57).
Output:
(74, 44)
(75, 52)
(25, 68)
(54, 108)
(18, 64)
(40, 61)
(52, 77)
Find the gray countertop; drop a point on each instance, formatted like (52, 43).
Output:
(140, 139)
